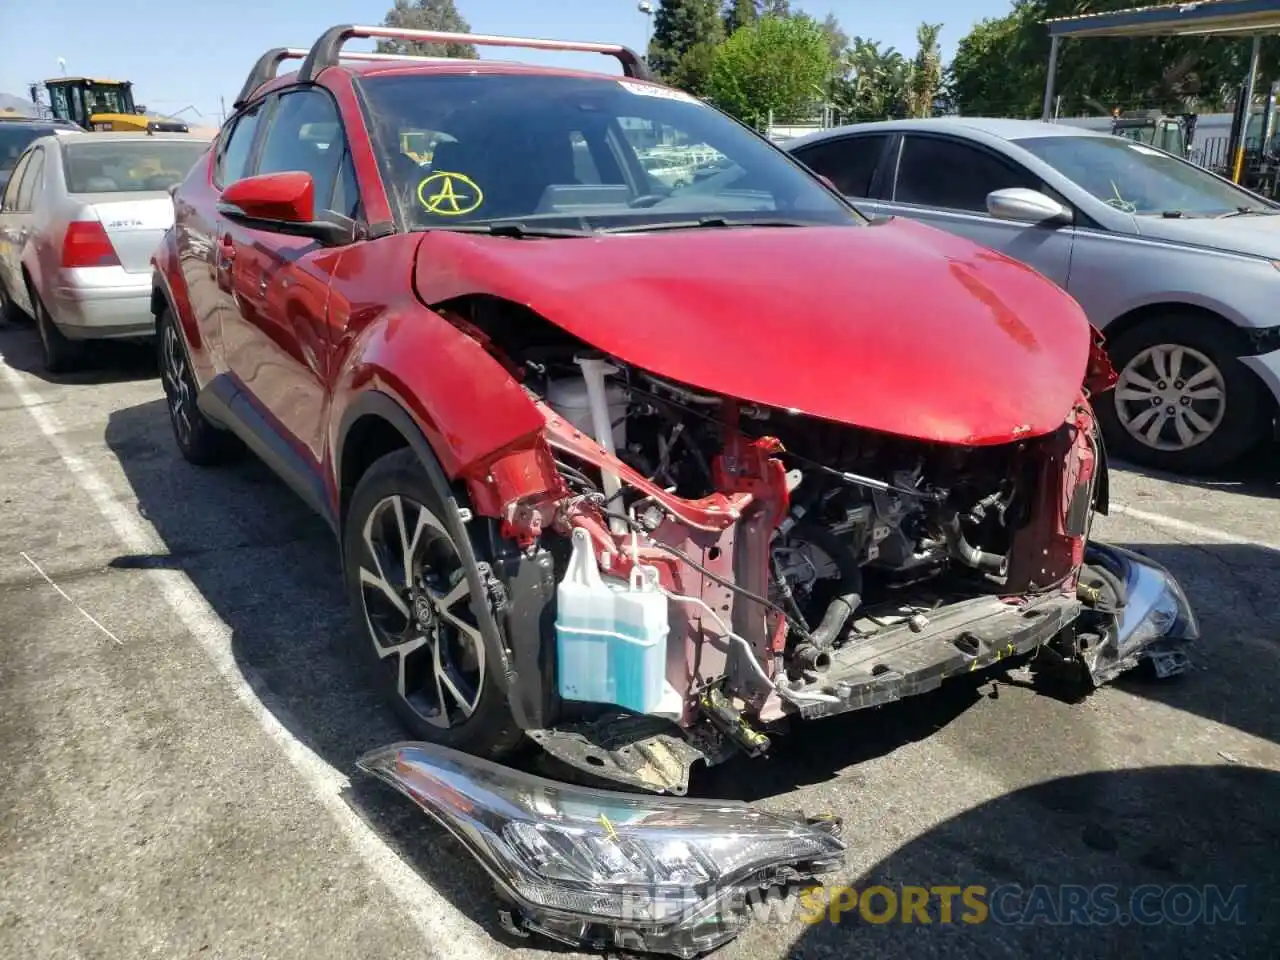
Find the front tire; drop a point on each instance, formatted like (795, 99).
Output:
(1183, 402)
(409, 587)
(199, 441)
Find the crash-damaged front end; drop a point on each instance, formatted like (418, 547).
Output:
(741, 506)
(605, 870)
(685, 574)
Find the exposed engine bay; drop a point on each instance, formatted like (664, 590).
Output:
(808, 567)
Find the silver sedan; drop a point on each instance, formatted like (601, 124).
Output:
(80, 217)
(1179, 267)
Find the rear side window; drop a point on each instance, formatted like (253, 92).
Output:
(128, 166)
(234, 148)
(849, 162)
(305, 135)
(10, 204)
(32, 178)
(937, 172)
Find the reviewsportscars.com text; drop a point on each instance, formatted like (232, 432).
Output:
(1007, 905)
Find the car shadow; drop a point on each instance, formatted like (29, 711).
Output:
(800, 759)
(1255, 475)
(1234, 590)
(269, 569)
(1163, 861)
(108, 361)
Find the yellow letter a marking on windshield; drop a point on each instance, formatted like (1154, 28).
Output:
(449, 194)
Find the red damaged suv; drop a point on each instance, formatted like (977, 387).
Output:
(638, 439)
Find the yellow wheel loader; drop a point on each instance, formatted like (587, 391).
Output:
(101, 105)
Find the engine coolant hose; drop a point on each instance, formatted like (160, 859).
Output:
(814, 653)
(967, 553)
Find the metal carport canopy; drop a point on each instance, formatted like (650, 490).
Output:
(1238, 18)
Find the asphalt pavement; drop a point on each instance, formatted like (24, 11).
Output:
(180, 713)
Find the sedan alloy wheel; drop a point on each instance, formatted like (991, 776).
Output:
(1171, 397)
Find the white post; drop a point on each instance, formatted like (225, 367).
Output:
(1046, 113)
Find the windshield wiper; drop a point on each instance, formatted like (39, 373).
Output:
(706, 222)
(514, 228)
(1244, 211)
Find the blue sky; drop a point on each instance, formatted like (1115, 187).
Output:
(183, 55)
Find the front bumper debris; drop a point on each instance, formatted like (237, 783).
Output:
(919, 654)
(1150, 618)
(602, 870)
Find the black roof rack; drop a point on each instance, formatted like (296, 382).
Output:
(328, 52)
(269, 63)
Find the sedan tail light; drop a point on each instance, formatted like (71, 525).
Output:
(86, 244)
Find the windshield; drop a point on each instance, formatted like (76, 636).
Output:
(581, 154)
(1137, 179)
(108, 98)
(129, 166)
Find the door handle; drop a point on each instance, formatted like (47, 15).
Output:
(224, 259)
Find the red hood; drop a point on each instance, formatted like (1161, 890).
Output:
(898, 327)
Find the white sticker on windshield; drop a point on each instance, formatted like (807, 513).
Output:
(1139, 148)
(662, 93)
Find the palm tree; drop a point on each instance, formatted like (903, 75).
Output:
(873, 84)
(926, 71)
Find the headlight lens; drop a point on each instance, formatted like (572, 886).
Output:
(583, 864)
(1156, 606)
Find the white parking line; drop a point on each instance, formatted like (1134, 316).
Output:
(1175, 525)
(437, 919)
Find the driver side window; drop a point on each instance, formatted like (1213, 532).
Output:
(947, 174)
(306, 135)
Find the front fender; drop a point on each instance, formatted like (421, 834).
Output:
(466, 404)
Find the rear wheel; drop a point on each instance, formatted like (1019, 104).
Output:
(410, 587)
(199, 441)
(1183, 401)
(60, 354)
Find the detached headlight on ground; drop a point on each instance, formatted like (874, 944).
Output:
(601, 869)
(1154, 621)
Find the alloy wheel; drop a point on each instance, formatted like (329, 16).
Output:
(416, 603)
(1171, 397)
(177, 383)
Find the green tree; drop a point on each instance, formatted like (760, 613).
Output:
(439, 15)
(837, 39)
(873, 83)
(739, 14)
(775, 8)
(1000, 66)
(692, 71)
(678, 27)
(777, 65)
(926, 72)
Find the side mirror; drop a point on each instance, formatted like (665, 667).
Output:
(1026, 206)
(280, 203)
